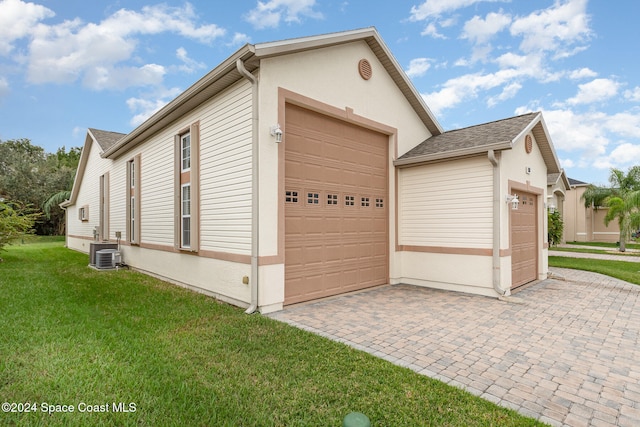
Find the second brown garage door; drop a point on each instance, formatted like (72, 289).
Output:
(336, 207)
(524, 241)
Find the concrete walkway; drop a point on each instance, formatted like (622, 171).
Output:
(566, 352)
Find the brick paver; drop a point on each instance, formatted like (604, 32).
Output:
(563, 351)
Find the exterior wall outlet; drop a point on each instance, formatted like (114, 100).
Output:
(245, 280)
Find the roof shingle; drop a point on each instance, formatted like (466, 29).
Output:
(105, 138)
(487, 134)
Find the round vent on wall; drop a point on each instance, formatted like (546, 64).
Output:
(528, 144)
(364, 68)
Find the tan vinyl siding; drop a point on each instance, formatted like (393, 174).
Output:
(156, 190)
(225, 173)
(117, 221)
(88, 195)
(446, 204)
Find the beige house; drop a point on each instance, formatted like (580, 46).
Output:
(311, 167)
(586, 224)
(557, 188)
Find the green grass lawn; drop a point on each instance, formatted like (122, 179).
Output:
(605, 245)
(627, 271)
(71, 335)
(591, 250)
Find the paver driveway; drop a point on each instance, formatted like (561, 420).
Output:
(566, 352)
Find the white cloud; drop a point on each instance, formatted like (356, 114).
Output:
(633, 95)
(480, 31)
(508, 92)
(143, 108)
(161, 18)
(101, 78)
(625, 155)
(625, 124)
(567, 163)
(590, 136)
(432, 31)
(188, 65)
(582, 73)
(271, 13)
(435, 8)
(554, 29)
(73, 50)
(466, 87)
(240, 39)
(574, 132)
(418, 67)
(513, 69)
(595, 91)
(17, 19)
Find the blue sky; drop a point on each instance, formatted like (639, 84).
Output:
(66, 65)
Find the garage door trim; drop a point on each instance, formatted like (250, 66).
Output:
(347, 116)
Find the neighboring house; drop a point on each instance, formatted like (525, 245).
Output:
(365, 188)
(557, 187)
(586, 224)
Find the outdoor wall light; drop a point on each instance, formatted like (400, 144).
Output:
(277, 132)
(514, 201)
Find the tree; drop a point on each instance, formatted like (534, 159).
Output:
(30, 176)
(15, 222)
(52, 205)
(622, 198)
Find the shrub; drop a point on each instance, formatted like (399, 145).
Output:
(555, 227)
(15, 222)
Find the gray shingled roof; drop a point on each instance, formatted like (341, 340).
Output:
(576, 182)
(479, 136)
(105, 138)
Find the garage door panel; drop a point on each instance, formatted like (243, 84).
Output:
(524, 241)
(340, 243)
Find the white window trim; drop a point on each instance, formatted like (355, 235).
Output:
(182, 147)
(133, 200)
(187, 176)
(183, 216)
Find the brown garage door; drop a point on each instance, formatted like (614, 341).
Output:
(336, 207)
(524, 238)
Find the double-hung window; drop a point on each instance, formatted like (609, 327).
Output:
(185, 214)
(133, 200)
(187, 189)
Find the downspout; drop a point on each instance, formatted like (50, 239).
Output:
(496, 223)
(255, 194)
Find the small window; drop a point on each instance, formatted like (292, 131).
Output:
(313, 198)
(83, 213)
(291, 196)
(364, 202)
(185, 151)
(132, 219)
(379, 203)
(132, 174)
(332, 199)
(186, 216)
(349, 200)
